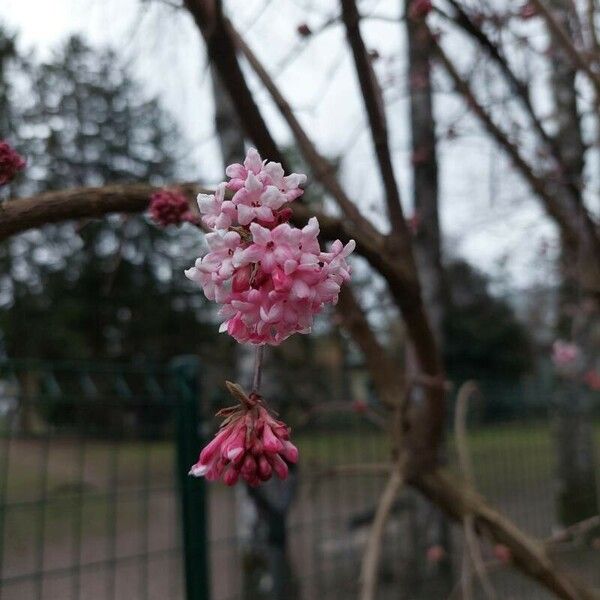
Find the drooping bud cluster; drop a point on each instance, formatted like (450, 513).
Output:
(250, 444)
(11, 162)
(171, 207)
(271, 278)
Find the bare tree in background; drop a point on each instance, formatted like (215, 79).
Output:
(577, 497)
(432, 526)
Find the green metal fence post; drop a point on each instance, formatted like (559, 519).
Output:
(192, 492)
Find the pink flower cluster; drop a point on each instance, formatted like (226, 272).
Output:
(271, 278)
(11, 162)
(170, 207)
(251, 444)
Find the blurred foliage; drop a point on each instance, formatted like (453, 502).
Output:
(110, 288)
(484, 340)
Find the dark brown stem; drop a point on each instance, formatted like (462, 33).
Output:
(562, 37)
(376, 114)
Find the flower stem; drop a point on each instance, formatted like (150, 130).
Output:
(258, 361)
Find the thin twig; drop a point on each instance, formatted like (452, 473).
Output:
(466, 465)
(369, 571)
(466, 23)
(322, 169)
(574, 531)
(575, 222)
(375, 109)
(258, 364)
(562, 37)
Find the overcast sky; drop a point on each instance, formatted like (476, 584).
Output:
(487, 214)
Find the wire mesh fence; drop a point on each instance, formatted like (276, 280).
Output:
(94, 502)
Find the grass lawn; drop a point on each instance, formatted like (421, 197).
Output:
(91, 484)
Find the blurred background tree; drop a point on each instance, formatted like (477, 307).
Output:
(73, 289)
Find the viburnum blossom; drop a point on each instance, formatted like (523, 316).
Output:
(170, 207)
(270, 278)
(11, 162)
(250, 444)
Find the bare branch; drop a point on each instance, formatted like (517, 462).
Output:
(459, 499)
(562, 37)
(576, 225)
(322, 169)
(221, 51)
(387, 377)
(376, 114)
(21, 214)
(466, 466)
(464, 21)
(369, 572)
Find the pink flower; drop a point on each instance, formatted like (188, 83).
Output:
(564, 354)
(250, 444)
(270, 278)
(212, 271)
(261, 189)
(170, 207)
(11, 162)
(217, 213)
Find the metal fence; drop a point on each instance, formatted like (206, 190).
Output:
(93, 482)
(96, 504)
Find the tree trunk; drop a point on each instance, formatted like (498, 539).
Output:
(436, 577)
(576, 490)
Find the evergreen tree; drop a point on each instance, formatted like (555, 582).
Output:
(113, 287)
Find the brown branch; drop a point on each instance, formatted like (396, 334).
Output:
(458, 499)
(464, 21)
(466, 466)
(221, 52)
(369, 572)
(322, 169)
(576, 225)
(387, 377)
(21, 214)
(376, 114)
(562, 37)
(576, 530)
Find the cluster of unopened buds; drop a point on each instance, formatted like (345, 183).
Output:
(171, 207)
(11, 162)
(269, 277)
(270, 280)
(250, 444)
